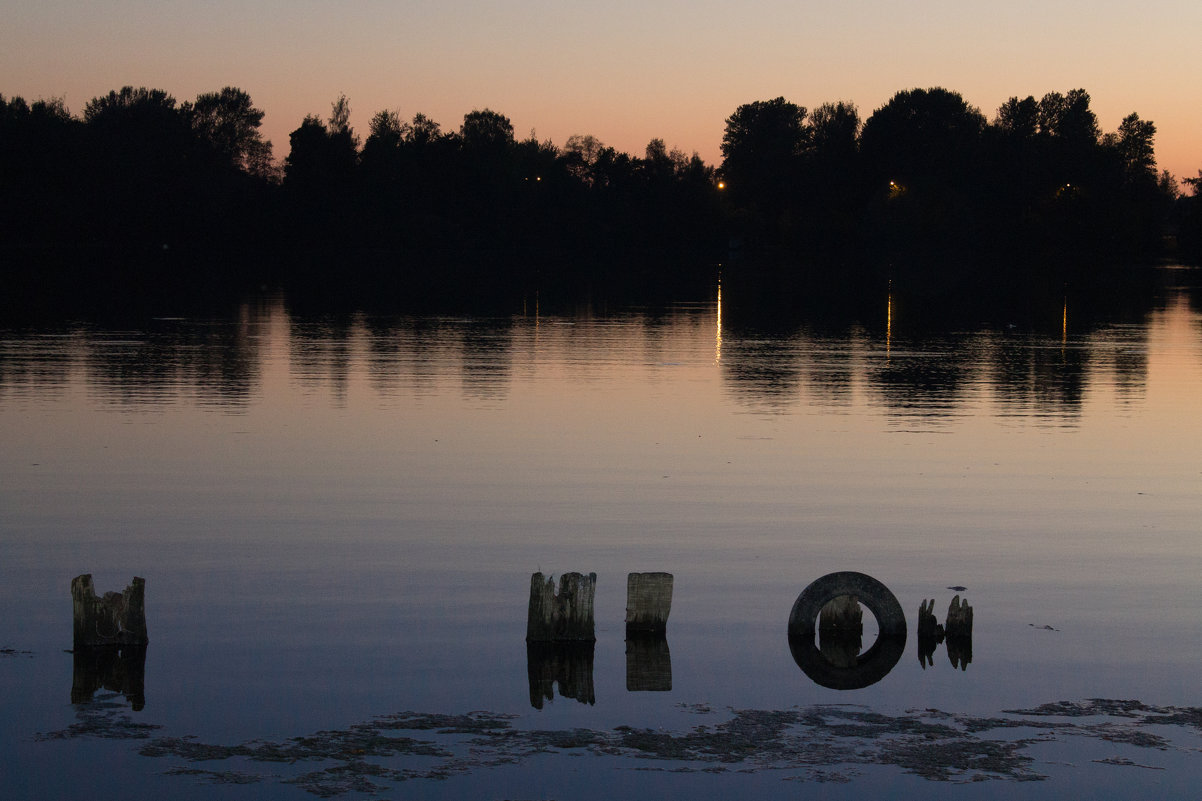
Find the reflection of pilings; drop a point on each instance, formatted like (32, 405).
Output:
(648, 602)
(648, 663)
(959, 651)
(119, 618)
(119, 669)
(566, 616)
(570, 665)
(840, 648)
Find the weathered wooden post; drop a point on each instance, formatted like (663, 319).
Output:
(648, 602)
(119, 618)
(959, 633)
(841, 617)
(566, 616)
(959, 619)
(930, 633)
(928, 627)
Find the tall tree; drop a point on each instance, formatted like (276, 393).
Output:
(762, 147)
(228, 121)
(923, 136)
(1134, 146)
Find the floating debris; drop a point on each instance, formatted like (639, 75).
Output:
(808, 744)
(103, 718)
(14, 652)
(1126, 763)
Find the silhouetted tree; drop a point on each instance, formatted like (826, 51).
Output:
(922, 153)
(486, 131)
(423, 130)
(41, 166)
(923, 137)
(1189, 221)
(1069, 117)
(762, 148)
(229, 123)
(835, 132)
(319, 176)
(1018, 119)
(1134, 146)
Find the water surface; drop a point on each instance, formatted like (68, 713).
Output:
(337, 516)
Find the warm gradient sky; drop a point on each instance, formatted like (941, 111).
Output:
(623, 71)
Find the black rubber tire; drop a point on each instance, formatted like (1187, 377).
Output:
(872, 665)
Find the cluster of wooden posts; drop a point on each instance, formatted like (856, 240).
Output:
(110, 634)
(956, 632)
(561, 634)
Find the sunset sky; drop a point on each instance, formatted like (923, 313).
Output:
(623, 71)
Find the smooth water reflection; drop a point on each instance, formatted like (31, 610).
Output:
(337, 515)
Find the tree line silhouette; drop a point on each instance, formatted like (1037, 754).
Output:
(142, 186)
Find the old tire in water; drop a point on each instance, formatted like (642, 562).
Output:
(872, 665)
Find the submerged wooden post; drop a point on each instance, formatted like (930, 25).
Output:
(119, 618)
(566, 616)
(959, 619)
(648, 602)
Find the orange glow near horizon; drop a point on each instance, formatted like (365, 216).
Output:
(611, 71)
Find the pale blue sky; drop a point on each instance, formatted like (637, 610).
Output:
(623, 71)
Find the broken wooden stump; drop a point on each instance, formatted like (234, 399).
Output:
(648, 602)
(564, 616)
(841, 616)
(119, 618)
(928, 627)
(959, 619)
(930, 633)
(959, 633)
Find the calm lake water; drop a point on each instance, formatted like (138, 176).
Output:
(337, 517)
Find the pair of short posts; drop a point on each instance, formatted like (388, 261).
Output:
(956, 632)
(561, 633)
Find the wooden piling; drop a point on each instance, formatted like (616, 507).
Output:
(119, 618)
(842, 616)
(959, 619)
(564, 616)
(648, 602)
(928, 627)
